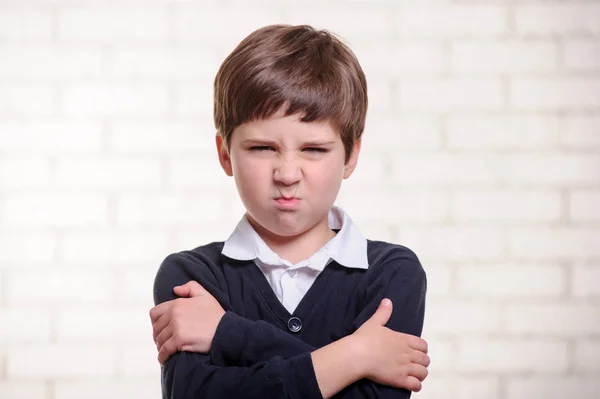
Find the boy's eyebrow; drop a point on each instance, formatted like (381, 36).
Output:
(314, 143)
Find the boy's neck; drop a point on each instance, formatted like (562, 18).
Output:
(296, 248)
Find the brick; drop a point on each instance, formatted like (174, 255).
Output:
(23, 324)
(515, 356)
(583, 206)
(61, 361)
(59, 286)
(200, 23)
(571, 93)
(454, 243)
(444, 386)
(374, 22)
(550, 169)
(547, 387)
(451, 94)
(101, 323)
(126, 24)
(380, 96)
(446, 169)
(482, 387)
(505, 56)
(557, 19)
(401, 133)
(51, 136)
(26, 100)
(452, 20)
(189, 210)
(118, 248)
(442, 352)
(501, 132)
(25, 24)
(161, 62)
(108, 173)
(161, 137)
(585, 281)
(141, 360)
(439, 279)
(24, 172)
(192, 237)
(391, 59)
(580, 132)
(582, 55)
(135, 286)
(52, 210)
(108, 388)
(540, 243)
(51, 62)
(23, 389)
(505, 205)
(194, 100)
(460, 317)
(587, 356)
(553, 319)
(200, 172)
(408, 205)
(506, 281)
(115, 100)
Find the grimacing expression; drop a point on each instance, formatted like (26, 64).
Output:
(287, 172)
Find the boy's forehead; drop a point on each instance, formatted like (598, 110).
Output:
(288, 126)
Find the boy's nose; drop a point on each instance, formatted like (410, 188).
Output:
(287, 172)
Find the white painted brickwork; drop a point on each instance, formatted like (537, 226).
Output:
(481, 153)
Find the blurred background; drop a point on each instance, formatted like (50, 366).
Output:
(481, 153)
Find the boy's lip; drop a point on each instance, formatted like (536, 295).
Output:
(287, 203)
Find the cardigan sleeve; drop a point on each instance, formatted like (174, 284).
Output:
(187, 375)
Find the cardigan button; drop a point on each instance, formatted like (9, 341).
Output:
(295, 324)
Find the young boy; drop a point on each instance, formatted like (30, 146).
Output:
(296, 303)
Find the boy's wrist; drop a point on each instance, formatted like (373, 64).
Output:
(359, 354)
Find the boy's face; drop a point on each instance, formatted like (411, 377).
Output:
(288, 173)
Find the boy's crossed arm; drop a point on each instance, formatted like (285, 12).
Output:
(199, 324)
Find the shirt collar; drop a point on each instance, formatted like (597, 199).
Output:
(348, 247)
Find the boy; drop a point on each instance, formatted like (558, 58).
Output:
(296, 303)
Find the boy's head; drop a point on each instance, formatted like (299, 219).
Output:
(290, 107)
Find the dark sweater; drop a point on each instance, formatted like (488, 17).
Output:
(260, 350)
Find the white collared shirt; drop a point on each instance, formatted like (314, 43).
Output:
(290, 282)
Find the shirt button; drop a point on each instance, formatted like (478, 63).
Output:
(295, 324)
(293, 273)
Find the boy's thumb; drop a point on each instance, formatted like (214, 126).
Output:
(383, 312)
(189, 289)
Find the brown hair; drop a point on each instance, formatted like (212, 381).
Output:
(309, 71)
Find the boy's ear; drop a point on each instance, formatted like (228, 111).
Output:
(352, 160)
(224, 157)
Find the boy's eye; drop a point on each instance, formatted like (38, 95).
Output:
(316, 149)
(261, 148)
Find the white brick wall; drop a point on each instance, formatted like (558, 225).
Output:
(481, 150)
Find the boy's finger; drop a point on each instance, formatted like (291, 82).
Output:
(160, 324)
(418, 371)
(418, 343)
(158, 310)
(166, 350)
(418, 357)
(164, 336)
(189, 289)
(383, 312)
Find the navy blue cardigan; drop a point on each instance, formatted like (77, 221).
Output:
(260, 350)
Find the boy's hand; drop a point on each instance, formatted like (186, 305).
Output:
(390, 357)
(186, 324)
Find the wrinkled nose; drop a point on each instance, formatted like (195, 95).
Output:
(287, 172)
